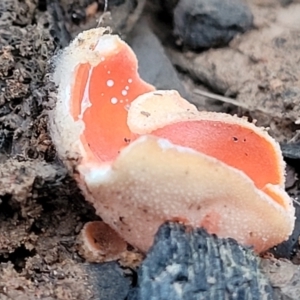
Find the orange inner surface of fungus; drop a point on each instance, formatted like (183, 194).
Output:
(111, 86)
(232, 144)
(114, 83)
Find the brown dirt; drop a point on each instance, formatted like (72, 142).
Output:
(41, 209)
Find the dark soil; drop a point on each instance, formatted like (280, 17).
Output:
(41, 209)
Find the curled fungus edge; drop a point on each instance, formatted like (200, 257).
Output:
(144, 156)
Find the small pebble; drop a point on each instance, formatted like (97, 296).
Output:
(203, 24)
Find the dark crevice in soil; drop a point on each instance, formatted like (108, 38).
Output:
(7, 211)
(18, 257)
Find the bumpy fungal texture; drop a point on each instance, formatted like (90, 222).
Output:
(153, 181)
(147, 156)
(157, 109)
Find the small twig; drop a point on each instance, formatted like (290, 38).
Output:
(220, 98)
(104, 14)
(234, 102)
(296, 201)
(294, 138)
(105, 6)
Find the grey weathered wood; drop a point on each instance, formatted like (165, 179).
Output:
(191, 264)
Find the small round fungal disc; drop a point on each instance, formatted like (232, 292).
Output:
(99, 242)
(144, 157)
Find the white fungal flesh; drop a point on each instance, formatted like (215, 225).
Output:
(107, 44)
(86, 103)
(96, 174)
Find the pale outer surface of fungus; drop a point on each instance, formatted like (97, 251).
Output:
(153, 180)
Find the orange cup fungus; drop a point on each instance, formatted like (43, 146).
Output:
(147, 156)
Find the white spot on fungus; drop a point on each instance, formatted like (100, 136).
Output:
(124, 92)
(114, 100)
(110, 83)
(130, 80)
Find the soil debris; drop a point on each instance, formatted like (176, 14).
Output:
(41, 210)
